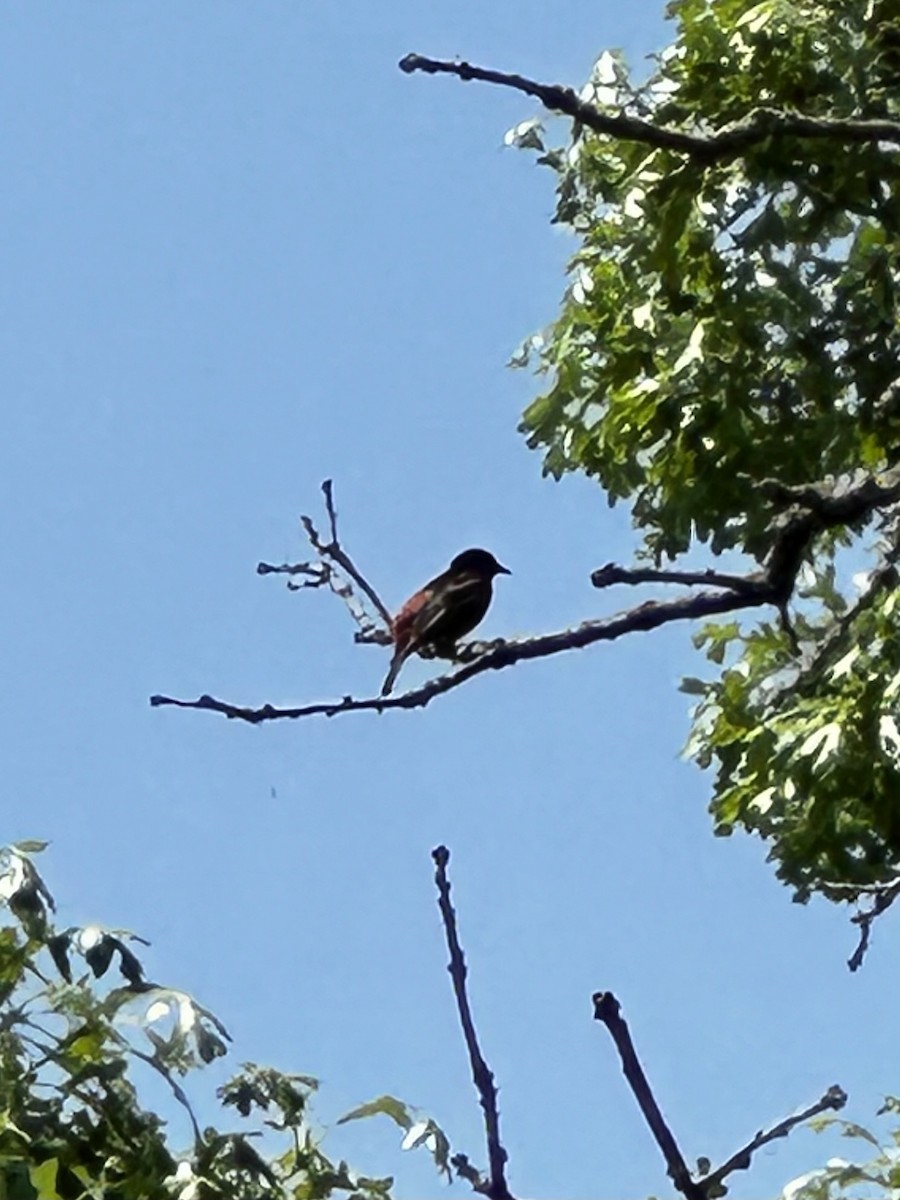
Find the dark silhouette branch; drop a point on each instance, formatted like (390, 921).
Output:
(764, 123)
(495, 1187)
(840, 501)
(836, 503)
(607, 1010)
(834, 1099)
(882, 897)
(499, 655)
(177, 1091)
(709, 1186)
(612, 573)
(336, 570)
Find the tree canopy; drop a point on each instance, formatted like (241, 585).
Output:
(725, 362)
(72, 1121)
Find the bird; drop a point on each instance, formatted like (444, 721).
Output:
(445, 609)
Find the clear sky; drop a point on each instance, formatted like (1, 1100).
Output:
(242, 252)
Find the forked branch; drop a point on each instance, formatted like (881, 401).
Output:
(709, 1185)
(335, 569)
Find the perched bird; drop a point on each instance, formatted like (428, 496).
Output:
(445, 609)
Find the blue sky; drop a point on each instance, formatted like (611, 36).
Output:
(243, 253)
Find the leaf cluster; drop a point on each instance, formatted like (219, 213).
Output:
(72, 1124)
(733, 320)
(732, 327)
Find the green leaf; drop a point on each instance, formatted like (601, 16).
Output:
(43, 1179)
(388, 1106)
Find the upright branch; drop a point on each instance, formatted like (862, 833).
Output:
(495, 1186)
(726, 143)
(607, 1010)
(710, 1185)
(336, 570)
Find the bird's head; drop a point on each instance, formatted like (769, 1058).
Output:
(482, 562)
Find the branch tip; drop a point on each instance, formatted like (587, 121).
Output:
(707, 149)
(495, 1187)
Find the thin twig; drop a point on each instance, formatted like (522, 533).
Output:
(607, 1010)
(481, 1074)
(865, 918)
(835, 1099)
(177, 1091)
(469, 1172)
(762, 124)
(611, 574)
(336, 570)
(337, 554)
(317, 574)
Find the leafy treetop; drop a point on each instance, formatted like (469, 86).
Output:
(726, 357)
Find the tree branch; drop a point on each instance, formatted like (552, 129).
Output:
(496, 1188)
(839, 501)
(608, 1011)
(499, 655)
(335, 569)
(835, 1098)
(836, 503)
(762, 124)
(612, 573)
(882, 899)
(177, 1091)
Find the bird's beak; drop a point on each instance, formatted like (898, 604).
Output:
(503, 570)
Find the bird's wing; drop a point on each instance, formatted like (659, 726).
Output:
(403, 625)
(451, 610)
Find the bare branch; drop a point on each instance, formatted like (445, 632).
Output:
(728, 142)
(336, 552)
(336, 570)
(317, 574)
(481, 1074)
(879, 897)
(835, 1099)
(607, 1010)
(794, 532)
(612, 573)
(328, 492)
(865, 918)
(468, 1171)
(501, 654)
(177, 1091)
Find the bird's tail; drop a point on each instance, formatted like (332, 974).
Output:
(396, 663)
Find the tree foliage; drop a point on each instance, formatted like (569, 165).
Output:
(878, 1172)
(726, 353)
(72, 1124)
